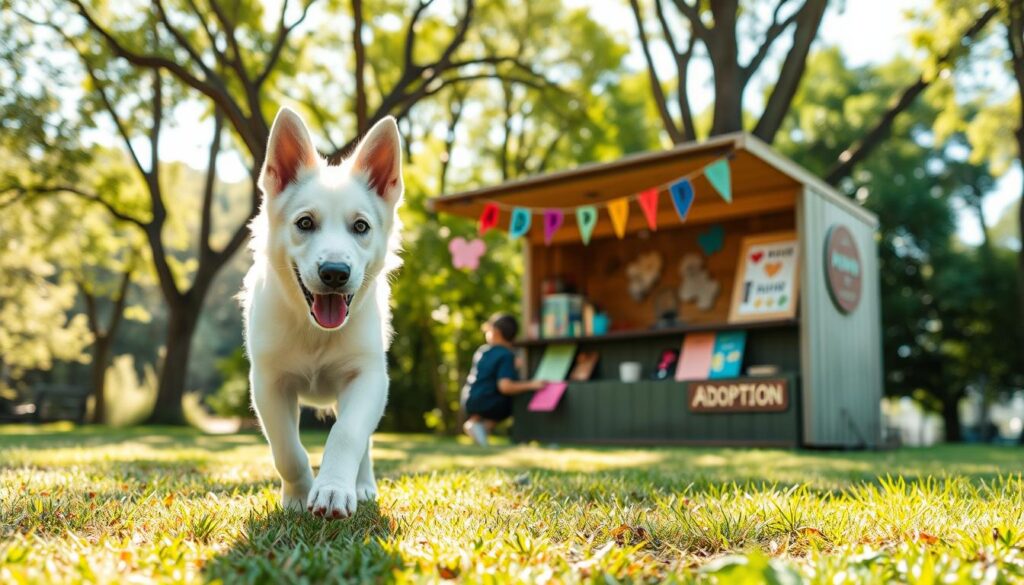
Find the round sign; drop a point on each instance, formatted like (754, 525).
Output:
(842, 268)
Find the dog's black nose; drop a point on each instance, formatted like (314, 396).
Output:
(334, 274)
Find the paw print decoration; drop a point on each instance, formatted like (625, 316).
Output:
(466, 254)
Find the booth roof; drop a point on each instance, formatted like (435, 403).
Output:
(756, 170)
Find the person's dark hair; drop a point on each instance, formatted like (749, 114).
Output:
(505, 324)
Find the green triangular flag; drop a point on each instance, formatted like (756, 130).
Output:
(718, 175)
(586, 219)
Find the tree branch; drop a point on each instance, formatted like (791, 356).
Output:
(360, 55)
(775, 29)
(120, 299)
(91, 311)
(206, 216)
(215, 92)
(279, 43)
(229, 33)
(682, 59)
(658, 92)
(808, 20)
(181, 41)
(33, 191)
(209, 32)
(870, 140)
(409, 66)
(692, 13)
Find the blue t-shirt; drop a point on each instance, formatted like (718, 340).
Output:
(480, 395)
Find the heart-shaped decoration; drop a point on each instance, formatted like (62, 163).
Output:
(711, 241)
(782, 300)
(772, 268)
(466, 254)
(756, 257)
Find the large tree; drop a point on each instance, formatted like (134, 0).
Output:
(227, 56)
(713, 30)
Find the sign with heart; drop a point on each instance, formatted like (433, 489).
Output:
(766, 278)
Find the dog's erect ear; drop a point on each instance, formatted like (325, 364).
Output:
(379, 160)
(289, 151)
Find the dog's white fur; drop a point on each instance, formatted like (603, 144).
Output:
(296, 360)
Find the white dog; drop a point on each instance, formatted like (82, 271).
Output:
(317, 322)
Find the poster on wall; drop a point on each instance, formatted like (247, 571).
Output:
(767, 274)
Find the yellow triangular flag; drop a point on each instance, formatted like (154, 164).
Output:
(619, 212)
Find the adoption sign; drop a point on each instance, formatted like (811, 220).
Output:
(747, 395)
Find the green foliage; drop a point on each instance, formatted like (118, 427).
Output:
(34, 303)
(947, 309)
(232, 397)
(163, 505)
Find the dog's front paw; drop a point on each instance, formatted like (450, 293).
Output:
(366, 491)
(295, 495)
(331, 499)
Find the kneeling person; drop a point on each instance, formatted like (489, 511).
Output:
(487, 395)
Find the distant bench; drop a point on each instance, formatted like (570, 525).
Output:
(50, 402)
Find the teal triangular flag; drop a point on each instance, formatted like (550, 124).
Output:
(718, 175)
(586, 219)
(520, 223)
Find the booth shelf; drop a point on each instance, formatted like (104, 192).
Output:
(660, 332)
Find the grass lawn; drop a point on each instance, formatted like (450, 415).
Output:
(101, 505)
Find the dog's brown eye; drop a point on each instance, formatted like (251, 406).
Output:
(360, 226)
(305, 223)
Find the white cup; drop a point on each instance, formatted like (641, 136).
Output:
(630, 371)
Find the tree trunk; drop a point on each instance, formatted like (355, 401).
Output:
(171, 387)
(724, 51)
(951, 416)
(100, 360)
(1020, 232)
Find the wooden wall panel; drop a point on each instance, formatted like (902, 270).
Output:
(841, 354)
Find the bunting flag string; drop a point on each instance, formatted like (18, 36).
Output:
(680, 189)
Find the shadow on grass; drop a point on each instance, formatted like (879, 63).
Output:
(279, 546)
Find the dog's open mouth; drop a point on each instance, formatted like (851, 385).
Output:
(328, 309)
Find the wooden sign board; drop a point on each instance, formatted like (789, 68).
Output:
(742, 395)
(767, 275)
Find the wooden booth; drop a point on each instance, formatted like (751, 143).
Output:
(737, 314)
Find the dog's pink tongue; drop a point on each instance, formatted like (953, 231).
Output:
(329, 310)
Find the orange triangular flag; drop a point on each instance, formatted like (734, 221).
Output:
(619, 212)
(649, 204)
